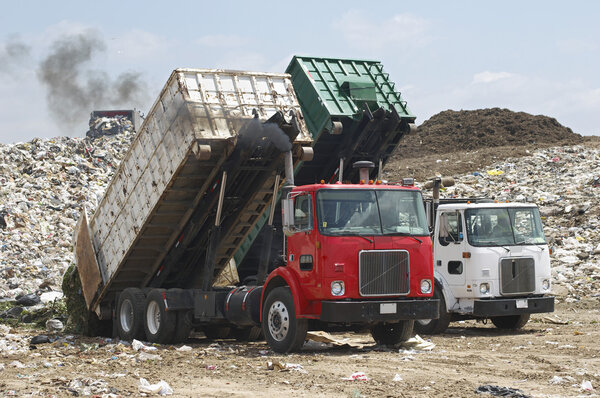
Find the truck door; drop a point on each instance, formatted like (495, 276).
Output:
(301, 245)
(449, 246)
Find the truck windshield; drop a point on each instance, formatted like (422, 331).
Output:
(504, 226)
(371, 212)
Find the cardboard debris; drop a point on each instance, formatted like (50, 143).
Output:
(324, 337)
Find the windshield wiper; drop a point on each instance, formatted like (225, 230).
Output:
(342, 233)
(362, 236)
(403, 234)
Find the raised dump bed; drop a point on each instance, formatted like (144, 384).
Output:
(353, 112)
(153, 224)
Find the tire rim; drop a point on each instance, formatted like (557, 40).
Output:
(424, 322)
(126, 315)
(279, 321)
(153, 317)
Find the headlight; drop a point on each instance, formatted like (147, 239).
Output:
(425, 286)
(484, 288)
(546, 284)
(337, 288)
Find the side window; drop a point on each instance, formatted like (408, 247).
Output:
(450, 228)
(455, 267)
(524, 224)
(303, 213)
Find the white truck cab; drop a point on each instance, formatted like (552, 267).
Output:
(491, 261)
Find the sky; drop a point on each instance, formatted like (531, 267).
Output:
(60, 60)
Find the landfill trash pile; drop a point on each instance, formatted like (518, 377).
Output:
(560, 180)
(44, 185)
(100, 126)
(451, 131)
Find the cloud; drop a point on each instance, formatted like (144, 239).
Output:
(490, 77)
(399, 30)
(222, 41)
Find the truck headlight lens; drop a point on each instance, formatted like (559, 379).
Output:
(546, 284)
(425, 286)
(337, 288)
(484, 288)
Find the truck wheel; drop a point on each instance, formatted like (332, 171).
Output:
(435, 326)
(252, 333)
(511, 321)
(130, 314)
(283, 332)
(183, 327)
(159, 323)
(392, 333)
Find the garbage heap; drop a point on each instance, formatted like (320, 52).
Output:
(565, 183)
(44, 185)
(100, 126)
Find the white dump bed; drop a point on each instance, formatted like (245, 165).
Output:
(169, 164)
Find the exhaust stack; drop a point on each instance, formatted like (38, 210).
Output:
(289, 169)
(364, 167)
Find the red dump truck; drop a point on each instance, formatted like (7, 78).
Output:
(211, 158)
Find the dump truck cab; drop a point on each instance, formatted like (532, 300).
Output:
(491, 261)
(355, 255)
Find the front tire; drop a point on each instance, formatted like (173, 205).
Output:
(392, 333)
(435, 326)
(159, 323)
(283, 331)
(512, 322)
(130, 314)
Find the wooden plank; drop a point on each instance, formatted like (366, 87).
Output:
(85, 258)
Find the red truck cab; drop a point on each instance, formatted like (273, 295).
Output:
(356, 255)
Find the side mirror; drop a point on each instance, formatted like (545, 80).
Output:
(287, 210)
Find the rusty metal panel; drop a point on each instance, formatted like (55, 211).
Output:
(87, 266)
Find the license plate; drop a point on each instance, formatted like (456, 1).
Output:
(522, 303)
(387, 308)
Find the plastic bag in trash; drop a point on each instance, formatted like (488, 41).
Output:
(160, 388)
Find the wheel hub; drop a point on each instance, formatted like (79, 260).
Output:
(126, 315)
(278, 320)
(153, 317)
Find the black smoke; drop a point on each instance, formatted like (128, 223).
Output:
(74, 87)
(13, 55)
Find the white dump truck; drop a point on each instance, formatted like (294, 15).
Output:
(491, 261)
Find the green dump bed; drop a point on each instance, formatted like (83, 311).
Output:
(352, 111)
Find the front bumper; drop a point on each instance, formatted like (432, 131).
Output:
(505, 307)
(375, 311)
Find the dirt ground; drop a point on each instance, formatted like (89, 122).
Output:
(467, 356)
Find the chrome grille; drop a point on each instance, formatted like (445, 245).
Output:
(517, 275)
(383, 272)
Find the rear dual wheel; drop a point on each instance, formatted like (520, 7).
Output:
(130, 314)
(159, 323)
